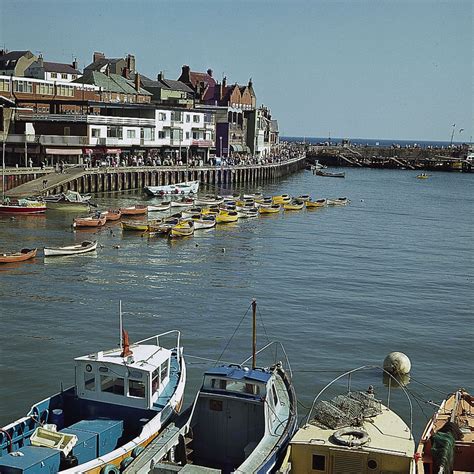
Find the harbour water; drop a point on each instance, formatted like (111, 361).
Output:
(340, 287)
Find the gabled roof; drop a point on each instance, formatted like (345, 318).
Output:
(13, 55)
(59, 67)
(100, 63)
(168, 84)
(110, 83)
(196, 77)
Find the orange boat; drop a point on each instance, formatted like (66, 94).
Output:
(447, 444)
(112, 215)
(90, 221)
(134, 210)
(23, 254)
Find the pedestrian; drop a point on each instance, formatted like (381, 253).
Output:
(45, 183)
(30, 162)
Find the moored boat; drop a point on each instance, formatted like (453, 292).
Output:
(295, 205)
(226, 216)
(83, 247)
(188, 212)
(91, 221)
(186, 187)
(330, 175)
(185, 202)
(342, 201)
(184, 228)
(22, 207)
(204, 221)
(422, 176)
(209, 200)
(447, 443)
(112, 214)
(281, 199)
(121, 400)
(164, 206)
(272, 209)
(241, 421)
(22, 255)
(139, 209)
(352, 432)
(303, 197)
(248, 213)
(315, 204)
(68, 201)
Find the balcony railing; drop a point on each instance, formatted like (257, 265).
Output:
(47, 139)
(92, 119)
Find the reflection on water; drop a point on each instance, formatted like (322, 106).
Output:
(340, 287)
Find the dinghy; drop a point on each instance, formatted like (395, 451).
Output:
(83, 247)
(272, 209)
(139, 209)
(187, 187)
(204, 221)
(121, 400)
(22, 255)
(92, 221)
(315, 204)
(23, 207)
(182, 229)
(342, 201)
(164, 206)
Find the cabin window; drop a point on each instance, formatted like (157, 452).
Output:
(155, 382)
(372, 464)
(275, 398)
(164, 371)
(219, 384)
(319, 462)
(111, 384)
(89, 381)
(136, 388)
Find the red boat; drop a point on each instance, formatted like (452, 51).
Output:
(134, 210)
(89, 221)
(23, 254)
(23, 206)
(112, 214)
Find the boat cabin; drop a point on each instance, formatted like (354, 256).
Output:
(136, 381)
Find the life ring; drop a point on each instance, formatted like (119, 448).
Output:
(125, 463)
(137, 450)
(110, 469)
(351, 436)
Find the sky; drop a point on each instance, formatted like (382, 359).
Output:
(350, 68)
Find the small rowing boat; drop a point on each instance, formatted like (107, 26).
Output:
(185, 202)
(182, 229)
(303, 197)
(68, 201)
(191, 211)
(447, 443)
(273, 209)
(295, 205)
(186, 187)
(248, 213)
(164, 206)
(83, 247)
(139, 209)
(91, 221)
(204, 221)
(342, 201)
(330, 175)
(225, 216)
(281, 199)
(423, 176)
(22, 255)
(316, 204)
(209, 200)
(112, 215)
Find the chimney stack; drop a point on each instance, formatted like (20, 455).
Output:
(209, 72)
(137, 82)
(74, 64)
(40, 60)
(131, 63)
(160, 76)
(97, 56)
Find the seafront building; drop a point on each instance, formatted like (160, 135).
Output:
(112, 114)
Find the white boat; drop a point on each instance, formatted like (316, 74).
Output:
(342, 201)
(83, 247)
(185, 202)
(164, 206)
(209, 201)
(204, 222)
(191, 211)
(248, 213)
(187, 187)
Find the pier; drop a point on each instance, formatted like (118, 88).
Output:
(31, 182)
(432, 159)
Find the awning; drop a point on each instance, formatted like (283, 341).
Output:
(64, 151)
(238, 148)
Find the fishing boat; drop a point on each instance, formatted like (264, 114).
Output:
(241, 421)
(253, 196)
(22, 255)
(352, 432)
(112, 215)
(204, 221)
(225, 216)
(327, 174)
(121, 400)
(164, 206)
(295, 205)
(248, 213)
(214, 210)
(273, 209)
(422, 176)
(281, 199)
(184, 228)
(83, 247)
(139, 226)
(303, 197)
(165, 226)
(316, 204)
(186, 187)
(342, 201)
(139, 209)
(185, 202)
(22, 207)
(447, 443)
(68, 201)
(209, 200)
(189, 212)
(91, 221)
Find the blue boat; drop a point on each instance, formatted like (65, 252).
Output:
(121, 400)
(242, 420)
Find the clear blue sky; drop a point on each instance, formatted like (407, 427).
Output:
(368, 69)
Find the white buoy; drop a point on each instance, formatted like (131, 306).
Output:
(397, 363)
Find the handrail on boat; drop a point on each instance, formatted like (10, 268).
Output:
(156, 338)
(273, 343)
(349, 373)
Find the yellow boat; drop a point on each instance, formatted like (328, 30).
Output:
(135, 226)
(315, 204)
(183, 229)
(273, 209)
(281, 199)
(423, 176)
(226, 216)
(293, 205)
(210, 210)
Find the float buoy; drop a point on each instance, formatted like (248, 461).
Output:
(397, 363)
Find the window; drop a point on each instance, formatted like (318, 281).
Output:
(147, 134)
(136, 388)
(161, 134)
(196, 136)
(45, 89)
(63, 76)
(115, 132)
(319, 462)
(23, 86)
(131, 133)
(89, 382)
(74, 76)
(4, 85)
(164, 371)
(196, 119)
(187, 135)
(177, 116)
(208, 118)
(188, 118)
(155, 382)
(112, 384)
(65, 91)
(95, 132)
(67, 131)
(161, 116)
(54, 75)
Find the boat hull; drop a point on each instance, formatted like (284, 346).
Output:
(187, 187)
(71, 249)
(68, 206)
(89, 222)
(23, 210)
(25, 254)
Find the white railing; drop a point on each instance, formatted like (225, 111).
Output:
(93, 119)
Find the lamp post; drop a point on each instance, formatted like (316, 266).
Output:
(220, 146)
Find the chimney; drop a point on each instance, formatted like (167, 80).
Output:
(224, 82)
(125, 72)
(74, 64)
(250, 82)
(185, 70)
(97, 56)
(107, 70)
(160, 76)
(137, 82)
(40, 60)
(131, 63)
(209, 72)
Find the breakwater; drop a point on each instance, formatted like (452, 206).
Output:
(109, 179)
(433, 159)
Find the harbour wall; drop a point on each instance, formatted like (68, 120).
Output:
(21, 183)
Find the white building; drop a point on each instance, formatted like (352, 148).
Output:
(53, 71)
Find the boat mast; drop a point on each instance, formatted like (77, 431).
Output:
(254, 334)
(120, 324)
